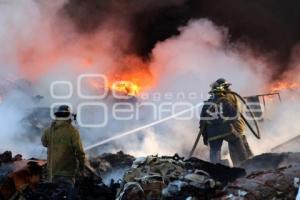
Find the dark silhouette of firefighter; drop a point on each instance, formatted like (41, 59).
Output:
(66, 157)
(220, 120)
(239, 123)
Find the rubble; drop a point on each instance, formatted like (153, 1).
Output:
(28, 181)
(173, 177)
(28, 176)
(111, 166)
(273, 184)
(267, 176)
(109, 161)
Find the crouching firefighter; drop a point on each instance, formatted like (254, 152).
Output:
(65, 157)
(220, 121)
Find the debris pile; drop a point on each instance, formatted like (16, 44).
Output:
(173, 177)
(26, 179)
(18, 175)
(267, 176)
(109, 162)
(281, 183)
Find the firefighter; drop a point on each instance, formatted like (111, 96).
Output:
(65, 157)
(239, 124)
(218, 121)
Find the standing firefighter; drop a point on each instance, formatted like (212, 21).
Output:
(220, 121)
(239, 124)
(65, 153)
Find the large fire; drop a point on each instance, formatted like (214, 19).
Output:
(284, 85)
(131, 76)
(132, 83)
(126, 87)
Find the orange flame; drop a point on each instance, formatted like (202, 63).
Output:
(284, 85)
(126, 87)
(131, 78)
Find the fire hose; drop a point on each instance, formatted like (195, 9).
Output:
(256, 134)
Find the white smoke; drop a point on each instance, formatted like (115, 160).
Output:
(280, 122)
(42, 48)
(189, 63)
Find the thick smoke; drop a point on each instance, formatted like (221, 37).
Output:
(181, 45)
(187, 64)
(271, 28)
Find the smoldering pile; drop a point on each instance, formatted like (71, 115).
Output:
(268, 176)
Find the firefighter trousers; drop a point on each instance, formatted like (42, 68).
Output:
(237, 149)
(66, 184)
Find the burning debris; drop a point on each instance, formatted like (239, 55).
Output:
(268, 176)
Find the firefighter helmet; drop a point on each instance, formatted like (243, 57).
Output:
(63, 111)
(221, 82)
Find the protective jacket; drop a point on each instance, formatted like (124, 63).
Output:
(65, 151)
(219, 118)
(239, 123)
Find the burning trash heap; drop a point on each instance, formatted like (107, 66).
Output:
(267, 176)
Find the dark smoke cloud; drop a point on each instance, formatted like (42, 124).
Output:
(89, 15)
(270, 27)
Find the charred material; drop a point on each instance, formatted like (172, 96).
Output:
(269, 176)
(219, 172)
(108, 162)
(87, 188)
(166, 177)
(273, 184)
(16, 182)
